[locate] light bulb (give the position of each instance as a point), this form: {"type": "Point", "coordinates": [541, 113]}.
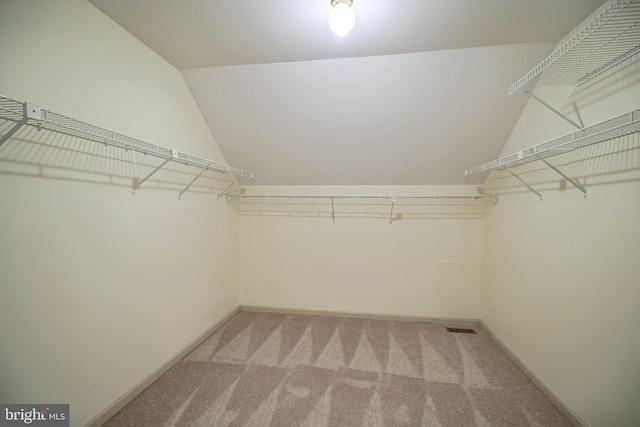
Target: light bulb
{"type": "Point", "coordinates": [342, 19]}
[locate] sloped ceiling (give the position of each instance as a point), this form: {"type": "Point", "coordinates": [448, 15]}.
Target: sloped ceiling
{"type": "Point", "coordinates": [415, 94]}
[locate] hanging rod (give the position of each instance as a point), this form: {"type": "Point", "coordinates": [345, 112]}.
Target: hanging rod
{"type": "Point", "coordinates": [25, 113]}
{"type": "Point", "coordinates": [259, 196]}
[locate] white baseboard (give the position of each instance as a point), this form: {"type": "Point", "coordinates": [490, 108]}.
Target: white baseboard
{"type": "Point", "coordinates": [127, 397]}
{"type": "Point", "coordinates": [461, 323]}
{"type": "Point", "coordinates": [539, 382]}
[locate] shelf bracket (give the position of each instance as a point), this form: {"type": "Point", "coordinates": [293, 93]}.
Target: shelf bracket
{"type": "Point", "coordinates": [13, 130]}
{"type": "Point", "coordinates": [138, 184]}
{"type": "Point", "coordinates": [194, 180]}
{"type": "Point", "coordinates": [29, 111]}
{"type": "Point", "coordinates": [553, 109]}
{"type": "Point", "coordinates": [333, 211]}
{"type": "Point", "coordinates": [235, 181]}
{"type": "Point", "coordinates": [559, 172]}
{"type": "Point", "coordinates": [494, 197]}
{"type": "Point", "coordinates": [522, 181]}
{"type": "Point", "coordinates": [393, 203]}
{"type": "Point", "coordinates": [226, 190]}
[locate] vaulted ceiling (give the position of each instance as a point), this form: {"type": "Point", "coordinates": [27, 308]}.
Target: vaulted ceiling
{"type": "Point", "coordinates": [415, 94]}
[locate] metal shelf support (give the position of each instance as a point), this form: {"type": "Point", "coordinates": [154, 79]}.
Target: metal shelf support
{"type": "Point", "coordinates": [333, 211]}
{"type": "Point", "coordinates": [393, 202]}
{"type": "Point", "coordinates": [226, 191]}
{"type": "Point", "coordinates": [192, 181]}
{"type": "Point", "coordinates": [494, 197]}
{"type": "Point", "coordinates": [559, 172]}
{"type": "Point", "coordinates": [553, 109]}
{"type": "Point", "coordinates": [137, 185]}
{"type": "Point", "coordinates": [522, 181]}
{"type": "Point", "coordinates": [13, 130]}
{"type": "Point", "coordinates": [29, 111]}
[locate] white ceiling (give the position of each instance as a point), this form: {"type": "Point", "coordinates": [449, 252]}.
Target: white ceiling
{"type": "Point", "coordinates": [415, 94]}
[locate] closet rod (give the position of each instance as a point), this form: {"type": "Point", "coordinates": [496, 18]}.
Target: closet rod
{"type": "Point", "coordinates": [357, 197]}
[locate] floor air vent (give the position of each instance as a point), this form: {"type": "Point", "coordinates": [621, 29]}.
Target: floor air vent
{"type": "Point", "coordinates": [461, 330]}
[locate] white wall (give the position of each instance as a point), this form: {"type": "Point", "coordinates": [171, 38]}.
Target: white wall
{"type": "Point", "coordinates": [357, 264]}
{"type": "Point", "coordinates": [562, 279]}
{"type": "Point", "coordinates": [99, 288]}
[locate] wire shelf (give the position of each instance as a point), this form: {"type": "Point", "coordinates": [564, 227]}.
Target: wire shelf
{"type": "Point", "coordinates": [611, 37]}
{"type": "Point", "coordinates": [625, 124]}
{"type": "Point", "coordinates": [23, 113]}
{"type": "Point", "coordinates": [386, 207]}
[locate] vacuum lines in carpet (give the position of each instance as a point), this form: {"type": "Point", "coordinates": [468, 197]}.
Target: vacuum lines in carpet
{"type": "Point", "coordinates": [264, 369]}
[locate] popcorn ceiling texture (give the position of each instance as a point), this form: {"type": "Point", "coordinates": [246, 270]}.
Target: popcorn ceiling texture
{"type": "Point", "coordinates": [264, 369]}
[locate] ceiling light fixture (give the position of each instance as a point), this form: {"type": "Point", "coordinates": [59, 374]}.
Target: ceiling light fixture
{"type": "Point", "coordinates": [342, 19]}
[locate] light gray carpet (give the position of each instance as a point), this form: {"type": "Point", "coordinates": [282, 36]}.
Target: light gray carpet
{"type": "Point", "coordinates": [265, 369]}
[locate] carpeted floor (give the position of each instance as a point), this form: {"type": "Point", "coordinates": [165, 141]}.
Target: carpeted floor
{"type": "Point", "coordinates": [265, 369]}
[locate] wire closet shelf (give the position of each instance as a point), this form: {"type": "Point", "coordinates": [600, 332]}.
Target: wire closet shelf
{"type": "Point", "coordinates": [390, 208]}
{"type": "Point", "coordinates": [625, 124]}
{"type": "Point", "coordinates": [610, 38]}
{"type": "Point", "coordinates": [616, 127]}
{"type": "Point", "coordinates": [25, 113]}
